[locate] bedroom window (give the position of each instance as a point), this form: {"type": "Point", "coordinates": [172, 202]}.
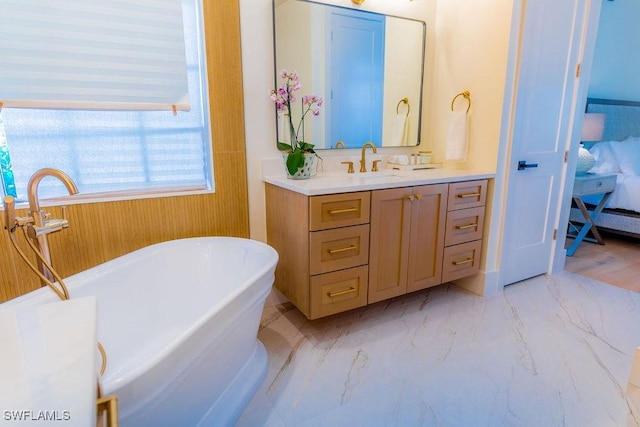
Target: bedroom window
{"type": "Point", "coordinates": [116, 154]}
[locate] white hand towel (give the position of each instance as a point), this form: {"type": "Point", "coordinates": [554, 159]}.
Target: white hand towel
{"type": "Point", "coordinates": [457, 136]}
{"type": "Point", "coordinates": [398, 131]}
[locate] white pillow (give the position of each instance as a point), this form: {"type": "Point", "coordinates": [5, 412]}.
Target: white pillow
{"type": "Point", "coordinates": [605, 159]}
{"type": "Point", "coordinates": [627, 154]}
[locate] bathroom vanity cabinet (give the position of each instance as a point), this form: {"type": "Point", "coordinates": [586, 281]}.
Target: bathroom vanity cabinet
{"type": "Point", "coordinates": [346, 250]}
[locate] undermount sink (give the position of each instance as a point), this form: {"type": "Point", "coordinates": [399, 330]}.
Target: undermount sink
{"type": "Point", "coordinates": [344, 179]}
{"type": "Point", "coordinates": [363, 175]}
{"type": "Point", "coordinates": [360, 177]}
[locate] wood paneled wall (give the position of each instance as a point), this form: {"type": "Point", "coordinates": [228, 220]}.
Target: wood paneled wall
{"type": "Point", "coordinates": [99, 232]}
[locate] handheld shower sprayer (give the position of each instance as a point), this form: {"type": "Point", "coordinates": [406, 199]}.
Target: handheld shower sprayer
{"type": "Point", "coordinates": [10, 214]}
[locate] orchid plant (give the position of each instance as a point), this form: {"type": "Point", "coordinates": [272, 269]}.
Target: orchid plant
{"type": "Point", "coordinates": [283, 97]}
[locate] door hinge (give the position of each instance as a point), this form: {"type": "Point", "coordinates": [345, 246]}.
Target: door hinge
{"type": "Point", "coordinates": [555, 234]}
{"type": "Point", "coordinates": [566, 156]}
{"type": "Point", "coordinates": [578, 69]}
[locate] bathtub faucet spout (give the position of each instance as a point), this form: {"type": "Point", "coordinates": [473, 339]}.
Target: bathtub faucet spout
{"type": "Point", "coordinates": [42, 223]}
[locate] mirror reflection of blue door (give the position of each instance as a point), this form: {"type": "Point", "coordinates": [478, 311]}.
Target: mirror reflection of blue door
{"type": "Point", "coordinates": [355, 74]}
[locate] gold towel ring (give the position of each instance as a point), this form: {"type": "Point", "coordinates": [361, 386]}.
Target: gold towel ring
{"type": "Point", "coordinates": [403, 101]}
{"type": "Point", "coordinates": [465, 94]}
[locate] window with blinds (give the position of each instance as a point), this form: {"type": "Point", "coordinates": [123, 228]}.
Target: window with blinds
{"type": "Point", "coordinates": [92, 54]}
{"type": "Point", "coordinates": [122, 150]}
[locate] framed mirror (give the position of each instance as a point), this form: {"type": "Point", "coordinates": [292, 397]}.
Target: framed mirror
{"type": "Point", "coordinates": [367, 67]}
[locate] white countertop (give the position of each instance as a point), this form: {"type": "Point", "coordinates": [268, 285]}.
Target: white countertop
{"type": "Point", "coordinates": [48, 371]}
{"type": "Point", "coordinates": [342, 182]}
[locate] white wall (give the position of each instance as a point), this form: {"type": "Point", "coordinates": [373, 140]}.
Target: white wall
{"type": "Point", "coordinates": [466, 49]}
{"type": "Point", "coordinates": [471, 54]}
{"type": "Point", "coordinates": [616, 64]}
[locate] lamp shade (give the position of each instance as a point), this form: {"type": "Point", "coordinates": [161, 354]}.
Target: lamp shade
{"type": "Point", "coordinates": [592, 127]}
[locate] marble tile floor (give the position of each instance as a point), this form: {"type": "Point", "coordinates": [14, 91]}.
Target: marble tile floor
{"type": "Point", "coordinates": [550, 351]}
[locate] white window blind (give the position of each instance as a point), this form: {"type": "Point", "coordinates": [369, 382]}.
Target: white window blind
{"type": "Point", "coordinates": [93, 54]}
{"type": "Point", "coordinates": [136, 153]}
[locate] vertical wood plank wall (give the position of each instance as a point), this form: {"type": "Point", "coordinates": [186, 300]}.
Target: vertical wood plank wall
{"type": "Point", "coordinates": [99, 232]}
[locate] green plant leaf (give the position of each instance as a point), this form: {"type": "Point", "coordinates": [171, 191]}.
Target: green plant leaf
{"type": "Point", "coordinates": [306, 147]}
{"type": "Point", "coordinates": [284, 147]}
{"type": "Point", "coordinates": [295, 160]}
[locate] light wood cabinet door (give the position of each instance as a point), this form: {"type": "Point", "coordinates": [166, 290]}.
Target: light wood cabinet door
{"type": "Point", "coordinates": [389, 243]}
{"type": "Point", "coordinates": [426, 238]}
{"type": "Point", "coordinates": [407, 240]}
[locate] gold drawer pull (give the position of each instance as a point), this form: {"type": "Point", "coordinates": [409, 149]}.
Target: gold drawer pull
{"type": "Point", "coordinates": [466, 261]}
{"type": "Point", "coordinates": [337, 251]}
{"type": "Point", "coordinates": [340, 211]}
{"type": "Point", "coordinates": [467, 195]}
{"type": "Point", "coordinates": [337, 294]}
{"type": "Point", "coordinates": [464, 227]}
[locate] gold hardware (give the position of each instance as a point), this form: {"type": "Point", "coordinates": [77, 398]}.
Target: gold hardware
{"type": "Point", "coordinates": [108, 404]}
{"type": "Point", "coordinates": [419, 196]}
{"type": "Point", "coordinates": [39, 217]}
{"type": "Point", "coordinates": [464, 227]}
{"type": "Point", "coordinates": [340, 250]}
{"type": "Point", "coordinates": [467, 95]}
{"type": "Point", "coordinates": [357, 1]}
{"type": "Point", "coordinates": [337, 294]}
{"type": "Point", "coordinates": [350, 170]}
{"type": "Point", "coordinates": [466, 261]}
{"type": "Point", "coordinates": [363, 167]}
{"type": "Point", "coordinates": [411, 197]}
{"type": "Point", "coordinates": [340, 211]}
{"type": "Point", "coordinates": [406, 102]}
{"type": "Point", "coordinates": [375, 165]}
{"type": "Point", "coordinates": [467, 195]}
{"type": "Point", "coordinates": [340, 144]}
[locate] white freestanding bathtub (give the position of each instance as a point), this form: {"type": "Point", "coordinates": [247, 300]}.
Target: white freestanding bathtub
{"type": "Point", "coordinates": [179, 323]}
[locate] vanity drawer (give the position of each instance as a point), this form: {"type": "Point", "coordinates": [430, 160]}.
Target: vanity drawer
{"type": "Point", "coordinates": [339, 248]}
{"type": "Point", "coordinates": [464, 225]}
{"type": "Point", "coordinates": [339, 291]}
{"type": "Point", "coordinates": [339, 210]}
{"type": "Point", "coordinates": [461, 260]}
{"type": "Point", "coordinates": [467, 194]}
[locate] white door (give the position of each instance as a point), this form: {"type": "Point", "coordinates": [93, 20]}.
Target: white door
{"type": "Point", "coordinates": [355, 76]}
{"type": "Point", "coordinates": [550, 48]}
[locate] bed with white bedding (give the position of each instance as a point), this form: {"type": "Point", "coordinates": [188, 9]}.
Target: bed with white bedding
{"type": "Point", "coordinates": [619, 154]}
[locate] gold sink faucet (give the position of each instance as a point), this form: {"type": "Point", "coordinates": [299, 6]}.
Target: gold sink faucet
{"type": "Point", "coordinates": [363, 162]}
{"type": "Point", "coordinates": [42, 225]}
